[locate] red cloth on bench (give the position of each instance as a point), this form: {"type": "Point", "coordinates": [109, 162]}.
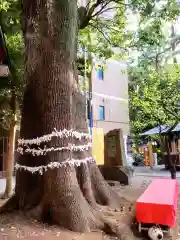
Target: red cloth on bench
{"type": "Point", "coordinates": [158, 204]}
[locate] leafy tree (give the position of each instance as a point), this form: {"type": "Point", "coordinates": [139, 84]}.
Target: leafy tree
{"type": "Point", "coordinates": [154, 100]}
{"type": "Point", "coordinates": [11, 25]}
{"type": "Point", "coordinates": [154, 97]}
{"type": "Point", "coordinates": [153, 40]}
{"type": "Point", "coordinates": [150, 71]}
{"type": "Point", "coordinates": [11, 87]}
{"type": "Point", "coordinates": [71, 195]}
{"type": "Point", "coordinates": [101, 38]}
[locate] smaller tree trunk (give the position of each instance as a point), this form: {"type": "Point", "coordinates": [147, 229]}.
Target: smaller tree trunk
{"type": "Point", "coordinates": [171, 164]}
{"type": "Point", "coordinates": [10, 158]}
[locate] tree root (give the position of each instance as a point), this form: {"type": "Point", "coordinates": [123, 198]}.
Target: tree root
{"type": "Point", "coordinates": [84, 181]}
{"type": "Point", "coordinates": [96, 221]}
{"type": "Point", "coordinates": [35, 213]}
{"type": "Point", "coordinates": [120, 230]}
{"type": "Point", "coordinates": [104, 194]}
{"type": "Point", "coordinates": [76, 198]}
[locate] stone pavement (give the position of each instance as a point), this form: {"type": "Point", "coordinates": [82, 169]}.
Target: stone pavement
{"type": "Point", "coordinates": [158, 171]}
{"type": "Point", "coordinates": [142, 175]}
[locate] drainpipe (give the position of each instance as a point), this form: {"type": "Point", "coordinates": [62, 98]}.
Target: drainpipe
{"type": "Point", "coordinates": [90, 113]}
{"type": "Point", "coordinates": [90, 95]}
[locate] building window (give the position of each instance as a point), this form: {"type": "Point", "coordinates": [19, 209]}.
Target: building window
{"type": "Point", "coordinates": [100, 73]}
{"type": "Point", "coordinates": [101, 113]}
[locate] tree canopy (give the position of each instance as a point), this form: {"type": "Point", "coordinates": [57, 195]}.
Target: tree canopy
{"type": "Point", "coordinates": [154, 80]}
{"type": "Point", "coordinates": [11, 87]}
{"type": "Point", "coordinates": [154, 97]}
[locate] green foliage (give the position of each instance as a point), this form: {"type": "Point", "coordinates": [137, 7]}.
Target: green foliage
{"type": "Point", "coordinates": [100, 30]}
{"type": "Point", "coordinates": [154, 97]}
{"type": "Point", "coordinates": [153, 39]}
{"type": "Point", "coordinates": [103, 34]}
{"type": "Point", "coordinates": [154, 85]}
{"type": "Point", "coordinates": [151, 35]}
{"type": "Point", "coordinates": [10, 18]}
{"type": "Point", "coordinates": [11, 88]}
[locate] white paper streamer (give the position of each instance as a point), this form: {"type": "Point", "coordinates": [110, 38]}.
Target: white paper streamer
{"type": "Point", "coordinates": [52, 165]}
{"type": "Point", "coordinates": [45, 150]}
{"type": "Point", "coordinates": [47, 138]}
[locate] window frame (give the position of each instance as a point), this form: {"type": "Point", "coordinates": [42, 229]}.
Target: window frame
{"type": "Point", "coordinates": [101, 108]}
{"type": "Point", "coordinates": [102, 70]}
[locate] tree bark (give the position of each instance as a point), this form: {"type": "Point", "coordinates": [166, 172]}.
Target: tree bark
{"type": "Point", "coordinates": [70, 196]}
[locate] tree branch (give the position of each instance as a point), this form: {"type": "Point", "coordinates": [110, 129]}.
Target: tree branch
{"type": "Point", "coordinates": [84, 21]}
{"type": "Point", "coordinates": [102, 9]}
{"type": "Point", "coordinates": [177, 118]}
{"type": "Point", "coordinates": [105, 25]}
{"type": "Point", "coordinates": [89, 12]}
{"type": "Point", "coordinates": [166, 109]}
{"type": "Point", "coordinates": [100, 31]}
{"type": "Point", "coordinates": [173, 54]}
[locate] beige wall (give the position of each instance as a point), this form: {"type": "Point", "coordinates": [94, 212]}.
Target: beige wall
{"type": "Point", "coordinates": [112, 93]}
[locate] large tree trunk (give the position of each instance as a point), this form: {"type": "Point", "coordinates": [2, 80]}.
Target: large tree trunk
{"type": "Point", "coordinates": [70, 196]}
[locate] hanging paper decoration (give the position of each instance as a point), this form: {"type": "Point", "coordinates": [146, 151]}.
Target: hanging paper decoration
{"type": "Point", "coordinates": [47, 138]}
{"type": "Point", "coordinates": [24, 147]}
{"type": "Point", "coordinates": [45, 150]}
{"type": "Point", "coordinates": [53, 165]}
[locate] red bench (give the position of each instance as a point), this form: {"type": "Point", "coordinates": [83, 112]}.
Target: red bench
{"type": "Point", "coordinates": [158, 204]}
